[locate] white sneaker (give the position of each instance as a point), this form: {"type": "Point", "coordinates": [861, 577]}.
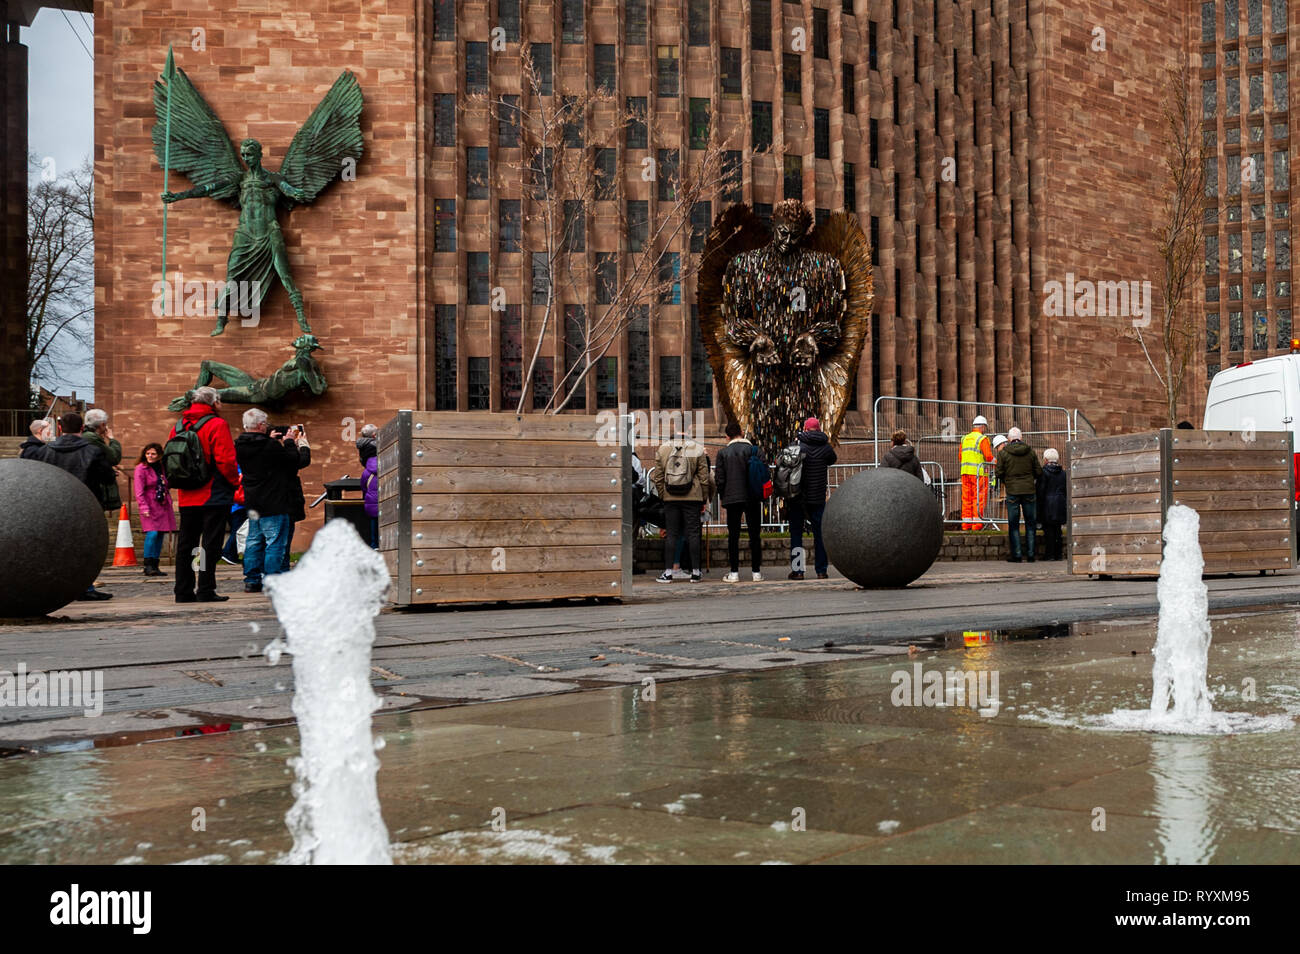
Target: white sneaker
{"type": "Point", "coordinates": [665, 577]}
{"type": "Point", "coordinates": [731, 578]}
{"type": "Point", "coordinates": [680, 575]}
{"type": "Point", "coordinates": [758, 577]}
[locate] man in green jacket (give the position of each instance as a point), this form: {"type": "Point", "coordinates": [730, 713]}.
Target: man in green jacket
{"type": "Point", "coordinates": [98, 432]}
{"type": "Point", "coordinates": [1017, 470]}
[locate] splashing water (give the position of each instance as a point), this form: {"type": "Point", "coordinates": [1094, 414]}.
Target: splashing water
{"type": "Point", "coordinates": [327, 606]}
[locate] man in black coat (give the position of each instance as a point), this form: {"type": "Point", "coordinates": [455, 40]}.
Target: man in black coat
{"type": "Point", "coordinates": [269, 463]}
{"type": "Point", "coordinates": [810, 504]}
{"type": "Point", "coordinates": [83, 460]}
{"type": "Point", "coordinates": [731, 474]}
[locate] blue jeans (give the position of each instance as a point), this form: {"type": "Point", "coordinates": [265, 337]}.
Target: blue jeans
{"type": "Point", "coordinates": [374, 533]}
{"type": "Point", "coordinates": [288, 542]}
{"type": "Point", "coordinates": [798, 513]}
{"type": "Point", "coordinates": [1015, 504]}
{"type": "Point", "coordinates": [153, 541]}
{"type": "Point", "coordinates": [231, 550]}
{"type": "Point", "coordinates": [265, 547]}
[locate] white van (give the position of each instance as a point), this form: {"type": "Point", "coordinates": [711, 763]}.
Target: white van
{"type": "Point", "coordinates": [1263, 395]}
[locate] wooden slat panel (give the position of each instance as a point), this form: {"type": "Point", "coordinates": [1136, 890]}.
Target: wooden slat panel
{"type": "Point", "coordinates": [496, 533]}
{"type": "Point", "coordinates": [1257, 459]}
{"type": "Point", "coordinates": [1230, 498]}
{"type": "Point", "coordinates": [1116, 523]}
{"type": "Point", "coordinates": [1109, 446]}
{"type": "Point", "coordinates": [514, 559]}
{"type": "Point", "coordinates": [1106, 486]}
{"type": "Point", "coordinates": [515, 506]}
{"type": "Point", "coordinates": [1115, 504]}
{"type": "Point", "coordinates": [485, 588]}
{"type": "Point", "coordinates": [1277, 440]}
{"type": "Point", "coordinates": [1249, 562]}
{"type": "Point", "coordinates": [1217, 480]}
{"type": "Point", "coordinates": [1119, 542]}
{"type": "Point", "coordinates": [1137, 463]}
{"type": "Point", "coordinates": [486, 480]}
{"type": "Point", "coordinates": [520, 453]}
{"type": "Point", "coordinates": [1244, 521]}
{"type": "Point", "coordinates": [498, 426]}
{"type": "Point", "coordinates": [1140, 564]}
{"type": "Point", "coordinates": [1219, 541]}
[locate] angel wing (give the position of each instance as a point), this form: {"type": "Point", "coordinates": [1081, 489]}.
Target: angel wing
{"type": "Point", "coordinates": [331, 135]}
{"type": "Point", "coordinates": [736, 229]}
{"type": "Point", "coordinates": [199, 148]}
{"type": "Point", "coordinates": [841, 235]}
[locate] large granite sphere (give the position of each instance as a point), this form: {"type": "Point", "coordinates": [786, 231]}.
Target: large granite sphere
{"type": "Point", "coordinates": [882, 528]}
{"type": "Point", "coordinates": [53, 538]}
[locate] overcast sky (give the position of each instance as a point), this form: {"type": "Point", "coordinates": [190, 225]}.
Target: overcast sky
{"type": "Point", "coordinates": [60, 125]}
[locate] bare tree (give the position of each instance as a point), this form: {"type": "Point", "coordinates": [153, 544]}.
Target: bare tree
{"type": "Point", "coordinates": [1178, 239]}
{"type": "Point", "coordinates": [561, 138]}
{"type": "Point", "coordinates": [60, 274]}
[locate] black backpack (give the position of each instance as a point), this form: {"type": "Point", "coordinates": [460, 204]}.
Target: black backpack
{"type": "Point", "coordinates": [787, 478]}
{"type": "Point", "coordinates": [184, 462]}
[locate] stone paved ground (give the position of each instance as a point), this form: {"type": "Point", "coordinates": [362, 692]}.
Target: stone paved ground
{"type": "Point", "coordinates": [168, 668]}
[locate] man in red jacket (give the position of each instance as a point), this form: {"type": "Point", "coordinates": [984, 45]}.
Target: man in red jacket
{"type": "Point", "coordinates": [204, 509]}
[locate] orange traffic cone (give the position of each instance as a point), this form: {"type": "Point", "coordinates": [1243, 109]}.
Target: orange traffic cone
{"type": "Point", "coordinates": [124, 552]}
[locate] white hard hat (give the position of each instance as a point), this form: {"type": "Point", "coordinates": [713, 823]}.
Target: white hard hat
{"type": "Point", "coordinates": [999, 441]}
{"type": "Point", "coordinates": [979, 419]}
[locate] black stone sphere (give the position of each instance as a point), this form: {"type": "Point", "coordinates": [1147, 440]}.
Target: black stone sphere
{"type": "Point", "coordinates": [882, 528]}
{"type": "Point", "coordinates": [53, 538]}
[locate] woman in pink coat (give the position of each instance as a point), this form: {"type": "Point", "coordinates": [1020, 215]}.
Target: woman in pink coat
{"type": "Point", "coordinates": [153, 499]}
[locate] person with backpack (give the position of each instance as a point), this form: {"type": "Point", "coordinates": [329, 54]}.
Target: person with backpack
{"type": "Point", "coordinates": [682, 478]}
{"type": "Point", "coordinates": [801, 470]}
{"type": "Point", "coordinates": [1018, 471]}
{"type": "Point", "coordinates": [741, 476]}
{"type": "Point", "coordinates": [199, 460]}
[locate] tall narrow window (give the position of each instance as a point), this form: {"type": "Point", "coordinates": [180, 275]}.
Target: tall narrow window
{"type": "Point", "coordinates": [575, 353]}
{"type": "Point", "coordinates": [444, 225]}
{"type": "Point", "coordinates": [571, 114]}
{"type": "Point", "coordinates": [638, 224]}
{"type": "Point", "coordinates": [444, 20]}
{"type": "Point", "coordinates": [698, 23]}
{"type": "Point", "coordinates": [606, 382]}
{"type": "Point", "coordinates": [571, 21]}
{"type": "Point", "coordinates": [1211, 254]}
{"type": "Point", "coordinates": [764, 212]}
{"type": "Point", "coordinates": [541, 54]}
{"type": "Point", "coordinates": [604, 167]}
{"type": "Point", "coordinates": [1284, 327]}
{"type": "Point", "coordinates": [760, 25]}
{"type": "Point", "coordinates": [444, 119]}
{"type": "Point", "coordinates": [701, 220]}
{"type": "Point", "coordinates": [1212, 332]}
{"type": "Point", "coordinates": [873, 134]}
{"type": "Point", "coordinates": [444, 388]}
{"type": "Point", "coordinates": [731, 82]}
{"type": "Point", "coordinates": [666, 69]}
{"type": "Point", "coordinates": [699, 123]}
{"type": "Point", "coordinates": [701, 372]}
{"type": "Point", "coordinates": [509, 229]}
{"type": "Point", "coordinates": [606, 278]}
{"type": "Point", "coordinates": [508, 19]}
{"type": "Point", "coordinates": [732, 176]}
{"type": "Point", "coordinates": [508, 122]}
{"type": "Point", "coordinates": [1207, 22]}
{"type": "Point", "coordinates": [871, 45]}
{"type": "Point", "coordinates": [476, 68]}
{"type": "Point", "coordinates": [821, 33]}
{"type": "Point", "coordinates": [480, 384]}
{"type": "Point", "coordinates": [850, 99]}
{"type": "Point", "coordinates": [634, 21]}
{"type": "Point", "coordinates": [638, 357]}
{"type": "Point", "coordinates": [543, 382]}
{"type": "Point", "coordinates": [668, 174]}
{"type": "Point", "coordinates": [636, 122]}
{"type": "Point", "coordinates": [511, 357]}
{"type": "Point", "coordinates": [850, 187]}
{"type": "Point", "coordinates": [822, 133]}
{"type": "Point", "coordinates": [792, 77]}
{"type": "Point", "coordinates": [1279, 92]}
{"type": "Point", "coordinates": [476, 172]}
{"type": "Point", "coordinates": [670, 380]}
{"type": "Point", "coordinates": [793, 177]}
{"type": "Point", "coordinates": [1231, 20]}
{"type": "Point", "coordinates": [606, 70]}
{"type": "Point", "coordinates": [476, 278]}
{"type": "Point", "coordinates": [670, 279]}
{"type": "Point", "coordinates": [541, 283]}
{"type": "Point", "coordinates": [761, 122]}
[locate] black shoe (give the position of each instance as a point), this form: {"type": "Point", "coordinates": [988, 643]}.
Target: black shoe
{"type": "Point", "coordinates": [1013, 559]}
{"type": "Point", "coordinates": [252, 587]}
{"type": "Point", "coordinates": [187, 598]}
{"type": "Point", "coordinates": [823, 576]}
{"type": "Point", "coordinates": [211, 598]}
{"type": "Point", "coordinates": [795, 575]}
{"type": "Point", "coordinates": [1029, 559]}
{"type": "Point", "coordinates": [93, 594]}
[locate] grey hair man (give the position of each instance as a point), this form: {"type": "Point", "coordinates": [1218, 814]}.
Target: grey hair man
{"type": "Point", "coordinates": [98, 432]}
{"type": "Point", "coordinates": [269, 461]}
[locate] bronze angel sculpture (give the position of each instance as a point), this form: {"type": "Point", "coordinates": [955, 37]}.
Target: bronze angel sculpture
{"type": "Point", "coordinates": [784, 314]}
{"type": "Point", "coordinates": [190, 139]}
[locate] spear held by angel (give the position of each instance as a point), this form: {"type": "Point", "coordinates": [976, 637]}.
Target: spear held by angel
{"type": "Point", "coordinates": [194, 143]}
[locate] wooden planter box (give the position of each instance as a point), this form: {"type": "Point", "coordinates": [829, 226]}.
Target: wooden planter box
{"type": "Point", "coordinates": [480, 507]}
{"type": "Point", "coordinates": [1121, 488]}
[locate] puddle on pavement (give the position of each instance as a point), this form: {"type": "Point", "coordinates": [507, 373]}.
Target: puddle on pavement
{"type": "Point", "coordinates": [821, 763]}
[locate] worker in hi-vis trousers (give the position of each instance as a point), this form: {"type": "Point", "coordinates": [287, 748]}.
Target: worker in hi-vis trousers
{"type": "Point", "coordinates": [976, 451]}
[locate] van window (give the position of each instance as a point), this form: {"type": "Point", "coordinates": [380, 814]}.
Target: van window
{"type": "Point", "coordinates": [1257, 397]}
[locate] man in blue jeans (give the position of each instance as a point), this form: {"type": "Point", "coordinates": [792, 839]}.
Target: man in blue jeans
{"type": "Point", "coordinates": [810, 504]}
{"type": "Point", "coordinates": [1018, 469]}
{"type": "Point", "coordinates": [270, 463]}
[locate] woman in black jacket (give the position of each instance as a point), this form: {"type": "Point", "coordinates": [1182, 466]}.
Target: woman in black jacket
{"type": "Point", "coordinates": [902, 456]}
{"type": "Point", "coordinates": [1051, 502]}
